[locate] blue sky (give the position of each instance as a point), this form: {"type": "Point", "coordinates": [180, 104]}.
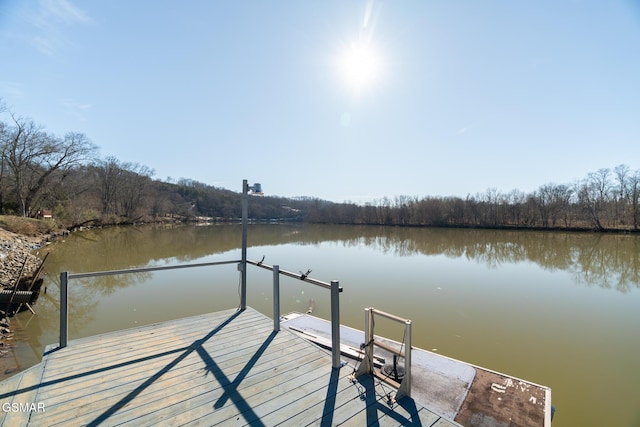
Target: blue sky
{"type": "Point", "coordinates": [449, 98]}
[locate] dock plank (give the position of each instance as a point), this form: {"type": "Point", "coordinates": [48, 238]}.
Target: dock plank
{"type": "Point", "coordinates": [142, 364]}
{"type": "Point", "coordinates": [114, 380]}
{"type": "Point", "coordinates": [201, 400]}
{"type": "Point", "coordinates": [247, 404]}
{"type": "Point", "coordinates": [154, 390]}
{"type": "Point", "coordinates": [11, 383]}
{"type": "Point", "coordinates": [28, 377]}
{"type": "Point", "coordinates": [106, 350]}
{"type": "Point", "coordinates": [309, 407]}
{"type": "Point", "coordinates": [205, 370]}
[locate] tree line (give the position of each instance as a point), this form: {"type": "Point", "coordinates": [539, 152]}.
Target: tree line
{"type": "Point", "coordinates": [40, 172]}
{"type": "Point", "coordinates": [607, 199]}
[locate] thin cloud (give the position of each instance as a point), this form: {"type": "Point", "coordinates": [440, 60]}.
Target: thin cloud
{"type": "Point", "coordinates": [76, 109]}
{"type": "Point", "coordinates": [461, 131]}
{"type": "Point", "coordinates": [52, 17]}
{"type": "Point", "coordinates": [71, 103]}
{"type": "Point", "coordinates": [63, 10]}
{"type": "Point", "coordinates": [46, 45]}
{"type": "Point", "coordinates": [11, 90]}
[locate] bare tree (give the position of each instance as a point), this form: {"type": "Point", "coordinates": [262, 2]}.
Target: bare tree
{"type": "Point", "coordinates": [133, 186]}
{"type": "Point", "coordinates": [634, 197]}
{"type": "Point", "coordinates": [561, 203]}
{"type": "Point", "coordinates": [108, 176]}
{"type": "Point", "coordinates": [620, 195]}
{"type": "Point", "coordinates": [543, 201]}
{"type": "Point", "coordinates": [593, 195]}
{"type": "Point", "coordinates": [3, 163]}
{"type": "Point", "coordinates": [33, 156]}
{"type": "Point", "coordinates": [553, 201]}
{"type": "Point", "coordinates": [514, 201]}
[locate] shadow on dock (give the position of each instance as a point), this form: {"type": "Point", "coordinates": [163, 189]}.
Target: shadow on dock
{"type": "Point", "coordinates": [212, 369]}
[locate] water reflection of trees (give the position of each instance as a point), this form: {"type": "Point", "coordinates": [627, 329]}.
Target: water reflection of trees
{"type": "Point", "coordinates": [44, 327]}
{"type": "Point", "coordinates": [82, 308]}
{"type": "Point", "coordinates": [610, 264]}
{"type": "Point", "coordinates": [594, 259]}
{"type": "Point", "coordinates": [107, 285]}
{"type": "Point", "coordinates": [610, 261]}
{"type": "Point", "coordinates": [606, 261]}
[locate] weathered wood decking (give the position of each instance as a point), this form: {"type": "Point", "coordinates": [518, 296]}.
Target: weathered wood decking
{"type": "Point", "coordinates": [469, 394]}
{"type": "Point", "coordinates": [221, 368]}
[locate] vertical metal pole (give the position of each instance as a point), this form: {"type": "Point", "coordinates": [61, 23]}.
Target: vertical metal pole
{"type": "Point", "coordinates": [276, 298]}
{"type": "Point", "coordinates": [243, 273]}
{"type": "Point", "coordinates": [64, 305]}
{"type": "Point", "coordinates": [407, 357]}
{"type": "Point", "coordinates": [335, 324]}
{"type": "Point", "coordinates": [366, 366]}
{"type": "Point", "coordinates": [405, 386]}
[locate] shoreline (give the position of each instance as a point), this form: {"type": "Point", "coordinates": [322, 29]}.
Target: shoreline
{"type": "Point", "coordinates": [16, 250]}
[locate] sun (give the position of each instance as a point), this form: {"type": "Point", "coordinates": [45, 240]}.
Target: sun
{"type": "Point", "coordinates": [360, 66]}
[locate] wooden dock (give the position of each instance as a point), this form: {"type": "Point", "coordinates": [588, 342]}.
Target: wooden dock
{"type": "Point", "coordinates": [222, 368]}
{"type": "Point", "coordinates": [471, 395]}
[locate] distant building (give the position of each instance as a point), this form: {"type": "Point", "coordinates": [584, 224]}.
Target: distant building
{"type": "Point", "coordinates": [45, 214]}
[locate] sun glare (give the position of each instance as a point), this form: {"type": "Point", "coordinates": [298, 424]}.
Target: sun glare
{"type": "Point", "coordinates": [360, 66]}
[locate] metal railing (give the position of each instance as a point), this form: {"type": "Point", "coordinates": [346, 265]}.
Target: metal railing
{"type": "Point", "coordinates": [334, 287]}
{"type": "Point", "coordinates": [367, 365]}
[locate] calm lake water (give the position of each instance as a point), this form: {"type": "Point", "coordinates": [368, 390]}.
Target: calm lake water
{"type": "Point", "coordinates": [558, 309]}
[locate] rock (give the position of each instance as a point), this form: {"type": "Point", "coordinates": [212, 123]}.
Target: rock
{"type": "Point", "coordinates": [15, 250]}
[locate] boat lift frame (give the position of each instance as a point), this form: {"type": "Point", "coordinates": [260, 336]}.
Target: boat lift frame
{"type": "Point", "coordinates": [367, 366]}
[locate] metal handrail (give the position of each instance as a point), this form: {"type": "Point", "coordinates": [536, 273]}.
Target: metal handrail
{"type": "Point", "coordinates": [65, 276]}
{"type": "Point", "coordinates": [302, 277]}
{"type": "Point", "coordinates": [334, 287]}
{"type": "Point", "coordinates": [146, 269]}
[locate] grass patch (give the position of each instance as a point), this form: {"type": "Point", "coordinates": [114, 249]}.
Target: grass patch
{"type": "Point", "coordinates": [28, 226]}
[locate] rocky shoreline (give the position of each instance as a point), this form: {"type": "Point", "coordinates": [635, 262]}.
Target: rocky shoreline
{"type": "Point", "coordinates": [15, 251]}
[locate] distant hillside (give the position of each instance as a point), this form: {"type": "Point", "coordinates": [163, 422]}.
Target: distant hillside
{"type": "Point", "coordinates": [60, 180]}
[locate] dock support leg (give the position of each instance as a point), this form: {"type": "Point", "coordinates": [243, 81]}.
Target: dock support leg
{"type": "Point", "coordinates": [64, 306]}
{"type": "Point", "coordinates": [335, 324]}
{"type": "Point", "coordinates": [276, 298]}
